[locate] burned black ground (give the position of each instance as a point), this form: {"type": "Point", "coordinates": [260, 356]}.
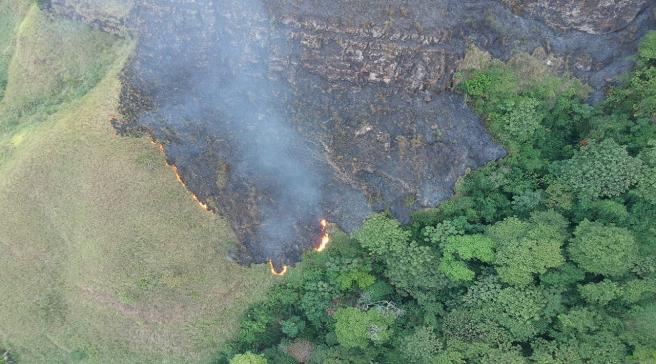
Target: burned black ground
{"type": "Point", "coordinates": [352, 102]}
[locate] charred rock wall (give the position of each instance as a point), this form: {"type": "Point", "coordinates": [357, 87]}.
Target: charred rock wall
{"type": "Point", "coordinates": [351, 97]}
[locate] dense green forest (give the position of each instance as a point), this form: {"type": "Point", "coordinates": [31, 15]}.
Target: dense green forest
{"type": "Point", "coordinates": [546, 256]}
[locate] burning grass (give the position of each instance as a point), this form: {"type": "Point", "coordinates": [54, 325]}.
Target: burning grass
{"type": "Point", "coordinates": [325, 238]}
{"type": "Point", "coordinates": [180, 179]}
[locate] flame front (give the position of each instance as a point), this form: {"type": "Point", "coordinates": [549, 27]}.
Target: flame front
{"type": "Point", "coordinates": [273, 269]}
{"type": "Point", "coordinates": [178, 176]}
{"type": "Point", "coordinates": [204, 206]}
{"type": "Point", "coordinates": [325, 239]}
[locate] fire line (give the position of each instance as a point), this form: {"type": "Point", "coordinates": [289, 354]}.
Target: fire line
{"type": "Point", "coordinates": [276, 273]}
{"type": "Point", "coordinates": [325, 238]}
{"type": "Point", "coordinates": [178, 176]}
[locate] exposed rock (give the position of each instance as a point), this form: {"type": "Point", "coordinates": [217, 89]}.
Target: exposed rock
{"type": "Point", "coordinates": [108, 15]}
{"type": "Point", "coordinates": [590, 16]}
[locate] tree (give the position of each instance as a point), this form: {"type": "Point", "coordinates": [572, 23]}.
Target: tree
{"type": "Point", "coordinates": [381, 236]}
{"type": "Point", "coordinates": [461, 249]}
{"type": "Point", "coordinates": [601, 249]}
{"type": "Point", "coordinates": [525, 248]}
{"type": "Point", "coordinates": [640, 323]}
{"type": "Point", "coordinates": [408, 265]}
{"type": "Point", "coordinates": [600, 293]}
{"type": "Point", "coordinates": [293, 326]}
{"type": "Point", "coordinates": [316, 300]}
{"type": "Point", "coordinates": [647, 51]}
{"type": "Point", "coordinates": [522, 311]}
{"type": "Point", "coordinates": [516, 120]}
{"type": "Point", "coordinates": [606, 211]}
{"type": "Point", "coordinates": [598, 348]}
{"type": "Point", "coordinates": [356, 328]}
{"type": "Point", "coordinates": [601, 169]}
{"type": "Point", "coordinates": [636, 290]}
{"type": "Point", "coordinates": [248, 358]}
{"type": "Point", "coordinates": [647, 185]}
{"type": "Point", "coordinates": [438, 234]}
{"type": "Point", "coordinates": [421, 347]}
{"type": "Point", "coordinates": [582, 335]}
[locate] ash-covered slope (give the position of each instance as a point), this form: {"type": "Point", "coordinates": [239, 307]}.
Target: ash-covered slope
{"type": "Point", "coordinates": [280, 113]}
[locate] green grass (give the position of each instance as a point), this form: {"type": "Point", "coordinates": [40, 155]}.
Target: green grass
{"type": "Point", "coordinates": [104, 256]}
{"type": "Point", "coordinates": [11, 14]}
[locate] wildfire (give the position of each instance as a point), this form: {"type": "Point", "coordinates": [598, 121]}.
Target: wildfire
{"type": "Point", "coordinates": [178, 176]}
{"type": "Point", "coordinates": [276, 273]}
{"type": "Point", "coordinates": [325, 238]}
{"type": "Point", "coordinates": [200, 203]}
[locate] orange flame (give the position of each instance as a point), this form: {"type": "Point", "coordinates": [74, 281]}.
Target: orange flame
{"type": "Point", "coordinates": [276, 273]}
{"type": "Point", "coordinates": [204, 206]}
{"type": "Point", "coordinates": [325, 239]}
{"type": "Point", "coordinates": [178, 176]}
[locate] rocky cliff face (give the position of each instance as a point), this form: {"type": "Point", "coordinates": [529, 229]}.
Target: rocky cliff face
{"type": "Point", "coordinates": [280, 113]}
{"type": "Point", "coordinates": [109, 15]}
{"type": "Point", "coordinates": [589, 16]}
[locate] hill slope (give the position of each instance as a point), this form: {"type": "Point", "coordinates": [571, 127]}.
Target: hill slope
{"type": "Point", "coordinates": [105, 256]}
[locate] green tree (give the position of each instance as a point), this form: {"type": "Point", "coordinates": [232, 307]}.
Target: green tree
{"type": "Point", "coordinates": [582, 335]}
{"type": "Point", "coordinates": [525, 248]}
{"type": "Point", "coordinates": [600, 293]}
{"type": "Point", "coordinates": [516, 120]}
{"type": "Point", "coordinates": [522, 311]}
{"type": "Point", "coordinates": [293, 326]}
{"type": "Point", "coordinates": [647, 51]}
{"type": "Point", "coordinates": [647, 185]}
{"type": "Point", "coordinates": [381, 235]}
{"type": "Point", "coordinates": [438, 234]}
{"type": "Point", "coordinates": [602, 249]}
{"type": "Point", "coordinates": [640, 323]}
{"type": "Point", "coordinates": [408, 265]}
{"type": "Point", "coordinates": [636, 290]}
{"type": "Point", "coordinates": [461, 249]}
{"type": "Point", "coordinates": [601, 169]}
{"type": "Point", "coordinates": [421, 347]}
{"type": "Point", "coordinates": [316, 300]}
{"type": "Point", "coordinates": [248, 358]}
{"type": "Point", "coordinates": [356, 328]}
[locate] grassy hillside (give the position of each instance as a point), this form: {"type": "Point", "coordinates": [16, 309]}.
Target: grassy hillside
{"type": "Point", "coordinates": [11, 13]}
{"type": "Point", "coordinates": [105, 258]}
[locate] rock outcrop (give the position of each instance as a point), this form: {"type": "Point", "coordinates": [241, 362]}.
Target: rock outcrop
{"type": "Point", "coordinates": [589, 16]}
{"type": "Point", "coordinates": [109, 15]}
{"type": "Point", "coordinates": [353, 98]}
